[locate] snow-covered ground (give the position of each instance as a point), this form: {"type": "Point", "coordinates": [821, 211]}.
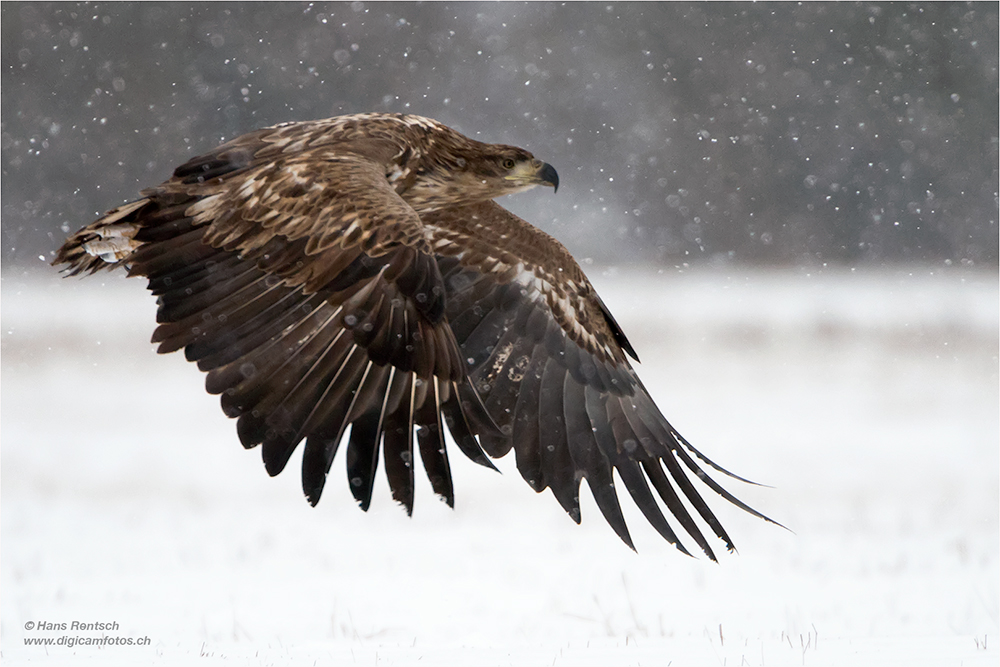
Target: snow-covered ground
{"type": "Point", "coordinates": [867, 400]}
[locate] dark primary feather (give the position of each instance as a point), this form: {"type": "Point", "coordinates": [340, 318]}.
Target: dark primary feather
{"type": "Point", "coordinates": [330, 294]}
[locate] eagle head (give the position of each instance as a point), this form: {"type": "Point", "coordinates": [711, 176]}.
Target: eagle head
{"type": "Point", "coordinates": [469, 171]}
{"type": "Point", "coordinates": [507, 169]}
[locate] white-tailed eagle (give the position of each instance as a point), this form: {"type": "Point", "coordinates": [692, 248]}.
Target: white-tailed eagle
{"type": "Point", "coordinates": [356, 272]}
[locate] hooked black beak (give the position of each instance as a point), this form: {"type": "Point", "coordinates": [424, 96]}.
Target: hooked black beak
{"type": "Point", "coordinates": [547, 175]}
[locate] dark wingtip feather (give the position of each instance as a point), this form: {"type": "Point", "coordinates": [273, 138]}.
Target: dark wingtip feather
{"type": "Point", "coordinates": [603, 490]}
{"type": "Point", "coordinates": [276, 450]}
{"type": "Point", "coordinates": [712, 463]}
{"type": "Point", "coordinates": [316, 458]}
{"type": "Point", "coordinates": [430, 442]}
{"type": "Point", "coordinates": [715, 486]}
{"type": "Point", "coordinates": [655, 474]}
{"type": "Point", "coordinates": [397, 451]}
{"type": "Point", "coordinates": [461, 430]}
{"type": "Point", "coordinates": [637, 487]}
{"type": "Point", "coordinates": [362, 457]}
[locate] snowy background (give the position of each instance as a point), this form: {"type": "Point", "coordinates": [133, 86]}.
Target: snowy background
{"type": "Point", "coordinates": [867, 400]}
{"type": "Point", "coordinates": [791, 210]}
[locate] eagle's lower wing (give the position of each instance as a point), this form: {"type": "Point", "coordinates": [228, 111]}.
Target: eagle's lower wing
{"type": "Point", "coordinates": [311, 300]}
{"type": "Point", "coordinates": [547, 359]}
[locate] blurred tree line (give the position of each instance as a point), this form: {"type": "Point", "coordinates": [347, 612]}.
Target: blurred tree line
{"type": "Point", "coordinates": [809, 133]}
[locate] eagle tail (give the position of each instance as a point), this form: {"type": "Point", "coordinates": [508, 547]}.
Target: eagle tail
{"type": "Point", "coordinates": [105, 243]}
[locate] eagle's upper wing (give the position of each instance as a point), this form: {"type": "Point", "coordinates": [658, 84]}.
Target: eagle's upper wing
{"type": "Point", "coordinates": [304, 286]}
{"type": "Point", "coordinates": [549, 362]}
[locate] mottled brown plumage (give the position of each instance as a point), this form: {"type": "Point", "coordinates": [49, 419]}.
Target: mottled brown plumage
{"type": "Point", "coordinates": [355, 272]}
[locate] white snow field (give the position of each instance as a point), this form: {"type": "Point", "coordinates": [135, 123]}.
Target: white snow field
{"type": "Point", "coordinates": [867, 401]}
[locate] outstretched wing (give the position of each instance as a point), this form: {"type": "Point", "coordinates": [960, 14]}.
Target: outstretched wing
{"type": "Point", "coordinates": [305, 287]}
{"type": "Point", "coordinates": [549, 362]}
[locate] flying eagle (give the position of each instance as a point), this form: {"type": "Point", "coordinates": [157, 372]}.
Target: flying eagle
{"type": "Point", "coordinates": [355, 271]}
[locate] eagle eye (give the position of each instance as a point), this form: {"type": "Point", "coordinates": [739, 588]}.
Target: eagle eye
{"type": "Point", "coordinates": [508, 163]}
